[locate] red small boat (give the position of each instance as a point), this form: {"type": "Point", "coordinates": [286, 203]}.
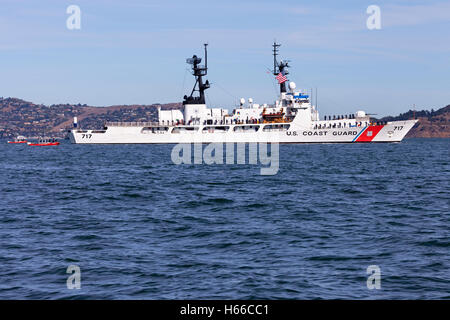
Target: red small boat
{"type": "Point", "coordinates": [19, 139]}
{"type": "Point", "coordinates": [45, 142]}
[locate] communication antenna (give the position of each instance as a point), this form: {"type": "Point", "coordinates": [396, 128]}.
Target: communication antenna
{"type": "Point", "coordinates": [280, 68]}
{"type": "Point", "coordinates": [317, 106]}
{"type": "Point", "coordinates": [275, 53]}
{"type": "Point", "coordinates": [206, 57]}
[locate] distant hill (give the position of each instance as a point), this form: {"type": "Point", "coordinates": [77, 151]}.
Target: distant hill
{"type": "Point", "coordinates": [432, 124]}
{"type": "Point", "coordinates": [19, 117]}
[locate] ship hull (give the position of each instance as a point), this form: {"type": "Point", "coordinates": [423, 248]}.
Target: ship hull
{"type": "Point", "coordinates": [391, 132]}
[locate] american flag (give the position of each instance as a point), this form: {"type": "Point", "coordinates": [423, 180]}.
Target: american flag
{"type": "Point", "coordinates": [281, 78]}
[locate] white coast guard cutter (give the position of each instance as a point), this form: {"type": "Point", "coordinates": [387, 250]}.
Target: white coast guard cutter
{"type": "Point", "coordinates": [291, 119]}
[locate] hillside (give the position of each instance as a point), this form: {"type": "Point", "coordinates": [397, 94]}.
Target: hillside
{"type": "Point", "coordinates": [432, 124]}
{"type": "Point", "coordinates": [19, 117]}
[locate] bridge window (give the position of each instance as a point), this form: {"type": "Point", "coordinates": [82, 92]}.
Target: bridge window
{"type": "Point", "coordinates": [216, 129]}
{"type": "Point", "coordinates": [155, 129]}
{"type": "Point", "coordinates": [185, 130]}
{"type": "Point", "coordinates": [276, 127]}
{"type": "Point", "coordinates": [245, 128]}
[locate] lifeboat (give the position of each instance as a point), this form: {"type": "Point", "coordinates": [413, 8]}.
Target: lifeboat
{"type": "Point", "coordinates": [275, 117]}
{"type": "Point", "coordinates": [45, 142]}
{"type": "Point", "coordinates": [19, 139]}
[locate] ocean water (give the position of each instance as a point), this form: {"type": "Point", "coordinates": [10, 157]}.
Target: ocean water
{"type": "Point", "coordinates": [141, 227]}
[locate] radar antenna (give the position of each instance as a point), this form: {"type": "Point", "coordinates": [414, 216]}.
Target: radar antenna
{"type": "Point", "coordinates": [198, 71]}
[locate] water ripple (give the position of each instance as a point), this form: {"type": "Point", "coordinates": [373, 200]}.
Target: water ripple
{"type": "Point", "coordinates": [141, 227]}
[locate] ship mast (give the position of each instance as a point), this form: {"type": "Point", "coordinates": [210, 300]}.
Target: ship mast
{"type": "Point", "coordinates": [198, 71]}
{"type": "Point", "coordinates": [279, 67]}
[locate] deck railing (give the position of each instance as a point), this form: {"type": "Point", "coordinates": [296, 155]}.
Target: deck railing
{"type": "Point", "coordinates": [130, 124]}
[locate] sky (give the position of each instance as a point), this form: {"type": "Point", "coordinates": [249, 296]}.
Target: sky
{"type": "Point", "coordinates": [134, 52]}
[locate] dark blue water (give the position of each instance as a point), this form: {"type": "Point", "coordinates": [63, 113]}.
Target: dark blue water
{"type": "Point", "coordinates": [140, 227]}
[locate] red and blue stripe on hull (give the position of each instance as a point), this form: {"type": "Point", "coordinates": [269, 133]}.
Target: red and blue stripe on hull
{"type": "Point", "coordinates": [368, 133]}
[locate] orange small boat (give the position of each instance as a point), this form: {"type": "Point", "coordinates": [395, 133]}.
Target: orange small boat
{"type": "Point", "coordinates": [19, 139]}
{"type": "Point", "coordinates": [45, 142]}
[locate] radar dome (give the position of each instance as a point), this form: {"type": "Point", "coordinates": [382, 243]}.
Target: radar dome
{"type": "Point", "coordinates": [360, 114]}
{"type": "Point", "coordinates": [250, 100]}
{"type": "Point", "coordinates": [292, 85]}
{"type": "Point", "coordinates": [242, 101]}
